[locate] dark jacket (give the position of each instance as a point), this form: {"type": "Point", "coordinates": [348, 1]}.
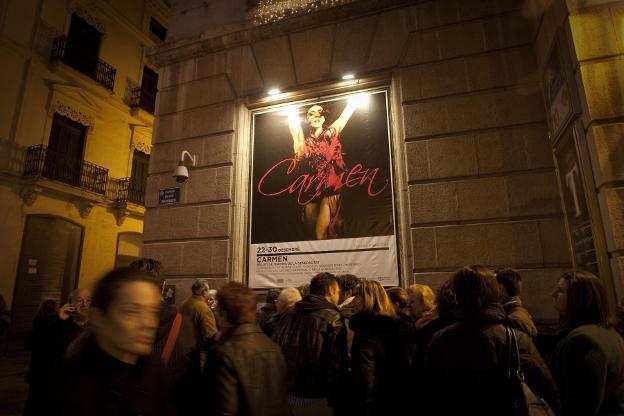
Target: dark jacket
{"type": "Point", "coordinates": [97, 384]}
{"type": "Point", "coordinates": [423, 338]}
{"type": "Point", "coordinates": [379, 364]}
{"type": "Point", "coordinates": [313, 338]}
{"type": "Point", "coordinates": [245, 374]}
{"type": "Point", "coordinates": [584, 363]}
{"type": "Point", "coordinates": [265, 314]}
{"type": "Point", "coordinates": [520, 318]}
{"type": "Point", "coordinates": [467, 363]}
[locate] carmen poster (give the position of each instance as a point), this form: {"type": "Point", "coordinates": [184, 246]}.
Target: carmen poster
{"type": "Point", "coordinates": [321, 192]}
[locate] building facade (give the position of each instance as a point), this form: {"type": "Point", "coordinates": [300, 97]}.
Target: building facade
{"type": "Point", "coordinates": [75, 138]}
{"type": "Point", "coordinates": [505, 118]}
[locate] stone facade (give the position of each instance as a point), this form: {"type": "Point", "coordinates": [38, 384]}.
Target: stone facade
{"type": "Point", "coordinates": [475, 180]}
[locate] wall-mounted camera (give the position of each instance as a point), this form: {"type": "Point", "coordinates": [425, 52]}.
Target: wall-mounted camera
{"type": "Point", "coordinates": [181, 173]}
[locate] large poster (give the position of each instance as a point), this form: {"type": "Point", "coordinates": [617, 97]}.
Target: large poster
{"type": "Point", "coordinates": [321, 192]}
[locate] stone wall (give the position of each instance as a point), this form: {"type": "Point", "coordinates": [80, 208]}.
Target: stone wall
{"type": "Point", "coordinates": [475, 181]}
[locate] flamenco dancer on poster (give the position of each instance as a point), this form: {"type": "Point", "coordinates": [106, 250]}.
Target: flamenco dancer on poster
{"type": "Point", "coordinates": [319, 153]}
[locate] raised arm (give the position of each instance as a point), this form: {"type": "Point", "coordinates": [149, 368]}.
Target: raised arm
{"type": "Point", "coordinates": [295, 131]}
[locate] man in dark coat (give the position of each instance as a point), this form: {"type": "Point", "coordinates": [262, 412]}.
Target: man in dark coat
{"type": "Point", "coordinates": [313, 338]}
{"type": "Point", "coordinates": [245, 371]}
{"type": "Point", "coordinates": [51, 339]}
{"type": "Point", "coordinates": [510, 286]}
{"type": "Point", "coordinates": [467, 362]}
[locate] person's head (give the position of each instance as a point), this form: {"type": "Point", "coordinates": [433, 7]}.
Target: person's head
{"type": "Point", "coordinates": [287, 298]}
{"type": "Point", "coordinates": [445, 299]}
{"type": "Point", "coordinates": [326, 285]}
{"type": "Point", "coordinates": [347, 283]}
{"type": "Point", "coordinates": [475, 287]}
{"type": "Point", "coordinates": [81, 299]}
{"type": "Point", "coordinates": [370, 296]}
{"type": "Point", "coordinates": [509, 282]}
{"type": "Point", "coordinates": [316, 116]}
{"type": "Point", "coordinates": [212, 298]}
{"type": "Point", "coordinates": [399, 298]}
{"type": "Point", "coordinates": [124, 313]}
{"type": "Point", "coordinates": [236, 304]}
{"type": "Point", "coordinates": [271, 296]}
{"type": "Point", "coordinates": [580, 298]}
{"type": "Point", "coordinates": [153, 268]}
{"type": "Point", "coordinates": [421, 299]}
{"type": "Point", "coordinates": [201, 288]}
{"type": "Point", "coordinates": [47, 308]}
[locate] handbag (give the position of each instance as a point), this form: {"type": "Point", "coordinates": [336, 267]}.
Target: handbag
{"type": "Point", "coordinates": [523, 401]}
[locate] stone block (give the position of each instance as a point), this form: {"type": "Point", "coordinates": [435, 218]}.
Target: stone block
{"type": "Point", "coordinates": [425, 119]}
{"type": "Point", "coordinates": [523, 104]}
{"type": "Point", "coordinates": [417, 160]}
{"type": "Point", "coordinates": [487, 71]}
{"type": "Point", "coordinates": [533, 194]}
{"type": "Point", "coordinates": [437, 13]}
{"type": "Point", "coordinates": [209, 184]}
{"type": "Point", "coordinates": [170, 223]}
{"type": "Point", "coordinates": [459, 245]}
{"type": "Point", "coordinates": [607, 148]}
{"type": "Point", "coordinates": [537, 288]}
{"type": "Point", "coordinates": [604, 88]}
{"type": "Point", "coordinates": [513, 244]}
{"type": "Point", "coordinates": [178, 73]}
{"type": "Point", "coordinates": [470, 112]}
{"type": "Point", "coordinates": [275, 62]}
{"type": "Point", "coordinates": [473, 9]}
{"type": "Point", "coordinates": [348, 53]}
{"type": "Point", "coordinates": [242, 71]}
{"type": "Point", "coordinates": [613, 204]}
{"type": "Point", "coordinates": [433, 279]}
{"type": "Point", "coordinates": [594, 33]}
{"type": "Point", "coordinates": [452, 156]}
{"type": "Point", "coordinates": [484, 198]}
{"type": "Point", "coordinates": [212, 64]}
{"type": "Point", "coordinates": [554, 242]}
{"type": "Point", "coordinates": [200, 93]}
{"type": "Point", "coordinates": [214, 119]}
{"type": "Point", "coordinates": [312, 63]}
{"type": "Point", "coordinates": [521, 65]}
{"type": "Point", "coordinates": [209, 257]}
{"type": "Point", "coordinates": [214, 220]}
{"type": "Point", "coordinates": [422, 47]}
{"type": "Point", "coordinates": [169, 254]}
{"type": "Point", "coordinates": [617, 11]}
{"type": "Point", "coordinates": [460, 40]}
{"type": "Point", "coordinates": [435, 202]}
{"type": "Point", "coordinates": [389, 40]}
{"type": "Point", "coordinates": [424, 248]}
{"type": "Point", "coordinates": [537, 146]}
{"type": "Point", "coordinates": [211, 150]}
{"type": "Point", "coordinates": [434, 80]}
{"type": "Point", "coordinates": [509, 30]}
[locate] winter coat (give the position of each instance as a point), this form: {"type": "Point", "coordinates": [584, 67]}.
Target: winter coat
{"type": "Point", "coordinates": [264, 316]}
{"type": "Point", "coordinates": [467, 364]}
{"type": "Point", "coordinates": [520, 318]}
{"type": "Point", "coordinates": [97, 384]}
{"type": "Point", "coordinates": [245, 374]}
{"type": "Point", "coordinates": [199, 313]}
{"type": "Point", "coordinates": [584, 363]}
{"type": "Point", "coordinates": [379, 364]}
{"type": "Point", "coordinates": [313, 338]}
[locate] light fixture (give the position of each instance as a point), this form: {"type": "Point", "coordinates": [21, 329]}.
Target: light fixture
{"type": "Point", "coordinates": [348, 76]}
{"type": "Point", "coordinates": [274, 91]}
{"type": "Point", "coordinates": [180, 173]}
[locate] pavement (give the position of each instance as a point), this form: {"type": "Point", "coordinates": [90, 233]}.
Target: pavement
{"type": "Point", "coordinates": [13, 388]}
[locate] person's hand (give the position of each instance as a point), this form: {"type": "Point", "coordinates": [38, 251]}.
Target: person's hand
{"type": "Point", "coordinates": [66, 310]}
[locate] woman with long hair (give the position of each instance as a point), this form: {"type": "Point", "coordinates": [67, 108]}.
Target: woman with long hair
{"type": "Point", "coordinates": [588, 363]}
{"type": "Point", "coordinates": [379, 352]}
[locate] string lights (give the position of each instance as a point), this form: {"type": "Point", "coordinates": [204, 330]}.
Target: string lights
{"type": "Point", "coordinates": [270, 11]}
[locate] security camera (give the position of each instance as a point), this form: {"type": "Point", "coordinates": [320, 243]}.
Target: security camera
{"type": "Point", "coordinates": [181, 173]}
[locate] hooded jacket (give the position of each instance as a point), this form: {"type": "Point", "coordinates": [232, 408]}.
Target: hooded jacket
{"type": "Point", "coordinates": [313, 338]}
{"type": "Point", "coordinates": [379, 364]}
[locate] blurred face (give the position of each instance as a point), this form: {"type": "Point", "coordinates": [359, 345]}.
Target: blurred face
{"type": "Point", "coordinates": [416, 304]}
{"type": "Point", "coordinates": [129, 326]}
{"type": "Point", "coordinates": [314, 117]}
{"type": "Point", "coordinates": [560, 296]}
{"type": "Point", "coordinates": [82, 300]}
{"type": "Point", "coordinates": [334, 294]}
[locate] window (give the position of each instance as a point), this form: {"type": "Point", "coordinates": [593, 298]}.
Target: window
{"type": "Point", "coordinates": [157, 29]}
{"type": "Point", "coordinates": [64, 154]}
{"type": "Point", "coordinates": [138, 177]}
{"type": "Point", "coordinates": [149, 86]}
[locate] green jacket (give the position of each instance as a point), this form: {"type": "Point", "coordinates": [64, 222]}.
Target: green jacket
{"type": "Point", "coordinates": [584, 364]}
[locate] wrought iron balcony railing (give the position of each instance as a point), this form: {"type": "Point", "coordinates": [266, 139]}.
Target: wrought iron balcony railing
{"type": "Point", "coordinates": [69, 52]}
{"type": "Point", "coordinates": [41, 161]}
{"type": "Point", "coordinates": [128, 190]}
{"type": "Point", "coordinates": [143, 99]}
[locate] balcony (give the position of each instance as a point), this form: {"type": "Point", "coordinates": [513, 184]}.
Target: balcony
{"type": "Point", "coordinates": [127, 190]}
{"type": "Point", "coordinates": [43, 162]}
{"type": "Point", "coordinates": [141, 98]}
{"type": "Point", "coordinates": [65, 50]}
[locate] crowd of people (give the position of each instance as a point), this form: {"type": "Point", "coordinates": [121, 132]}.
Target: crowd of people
{"type": "Point", "coordinates": [338, 345]}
